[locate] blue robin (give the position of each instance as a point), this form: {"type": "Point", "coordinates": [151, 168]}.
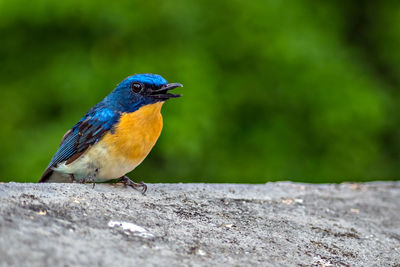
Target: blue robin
{"type": "Point", "coordinates": [114, 136]}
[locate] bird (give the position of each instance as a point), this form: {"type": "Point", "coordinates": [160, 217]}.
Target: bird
{"type": "Point", "coordinates": [115, 135]}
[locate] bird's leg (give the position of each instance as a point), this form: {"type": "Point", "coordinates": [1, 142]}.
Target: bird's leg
{"type": "Point", "coordinates": [89, 179]}
{"type": "Point", "coordinates": [142, 187]}
{"type": "Point", "coordinates": [93, 177]}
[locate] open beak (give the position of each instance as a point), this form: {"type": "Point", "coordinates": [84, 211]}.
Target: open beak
{"type": "Point", "coordinates": [162, 92]}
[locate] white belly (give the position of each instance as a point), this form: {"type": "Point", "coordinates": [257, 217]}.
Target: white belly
{"type": "Point", "coordinates": [97, 163]}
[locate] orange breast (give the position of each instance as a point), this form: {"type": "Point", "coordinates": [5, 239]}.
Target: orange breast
{"type": "Point", "coordinates": [135, 134]}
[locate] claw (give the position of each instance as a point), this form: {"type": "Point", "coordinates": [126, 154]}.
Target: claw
{"type": "Point", "coordinates": [89, 179]}
{"type": "Point", "coordinates": [141, 187]}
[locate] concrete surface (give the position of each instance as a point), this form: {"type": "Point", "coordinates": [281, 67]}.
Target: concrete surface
{"type": "Point", "coordinates": [276, 224]}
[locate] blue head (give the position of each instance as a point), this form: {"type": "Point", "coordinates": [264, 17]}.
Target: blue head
{"type": "Point", "coordinates": [141, 89]}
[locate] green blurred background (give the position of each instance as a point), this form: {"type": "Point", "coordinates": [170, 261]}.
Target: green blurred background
{"type": "Point", "coordinates": [274, 90]}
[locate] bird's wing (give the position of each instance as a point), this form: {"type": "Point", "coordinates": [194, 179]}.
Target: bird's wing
{"type": "Point", "coordinates": [88, 131]}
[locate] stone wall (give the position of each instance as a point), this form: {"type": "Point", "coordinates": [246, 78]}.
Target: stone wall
{"type": "Point", "coordinates": [276, 224]}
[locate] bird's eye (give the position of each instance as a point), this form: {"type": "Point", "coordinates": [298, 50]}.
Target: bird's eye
{"type": "Point", "coordinates": [136, 87]}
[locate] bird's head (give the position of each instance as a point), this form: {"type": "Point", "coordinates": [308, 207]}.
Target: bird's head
{"type": "Point", "coordinates": [150, 87]}
{"type": "Point", "coordinates": [141, 89]}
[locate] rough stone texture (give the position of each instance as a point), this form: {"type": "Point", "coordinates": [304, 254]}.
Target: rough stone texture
{"type": "Point", "coordinates": [276, 224]}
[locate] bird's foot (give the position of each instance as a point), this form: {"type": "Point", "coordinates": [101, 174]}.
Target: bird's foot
{"type": "Point", "coordinates": [89, 179]}
{"type": "Point", "coordinates": [141, 187]}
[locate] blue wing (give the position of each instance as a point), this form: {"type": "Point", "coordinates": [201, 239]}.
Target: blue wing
{"type": "Point", "coordinates": [88, 131]}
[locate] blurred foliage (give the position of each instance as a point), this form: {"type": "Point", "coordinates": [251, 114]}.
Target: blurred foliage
{"type": "Point", "coordinates": [274, 90]}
